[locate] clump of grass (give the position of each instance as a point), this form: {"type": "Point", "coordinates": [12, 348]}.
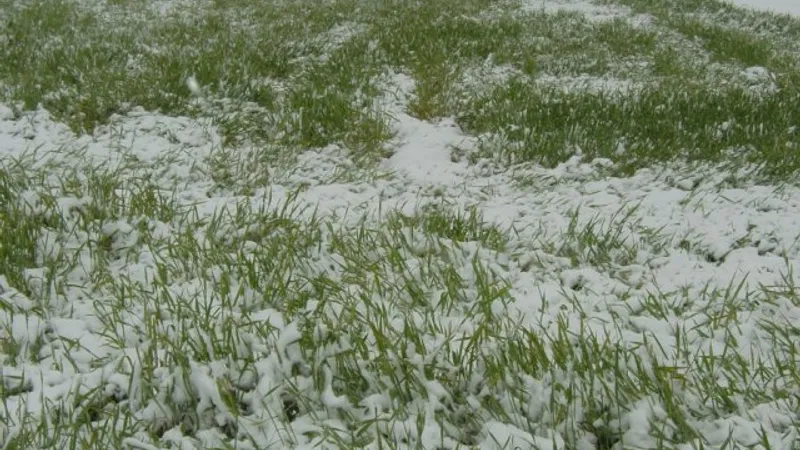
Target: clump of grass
{"type": "Point", "coordinates": [597, 244]}
{"type": "Point", "coordinates": [430, 40]}
{"type": "Point", "coordinates": [727, 44]}
{"type": "Point", "coordinates": [20, 227]}
{"type": "Point", "coordinates": [333, 103]}
{"type": "Point", "coordinates": [467, 226]}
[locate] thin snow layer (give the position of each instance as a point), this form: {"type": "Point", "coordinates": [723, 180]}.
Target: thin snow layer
{"type": "Point", "coordinates": [163, 147]}
{"type": "Point", "coordinates": [674, 234]}
{"type": "Point", "coordinates": [588, 83]}
{"type": "Point", "coordinates": [776, 6]}
{"type": "Point", "coordinates": [592, 11]}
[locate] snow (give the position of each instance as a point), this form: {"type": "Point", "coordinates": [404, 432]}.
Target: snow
{"type": "Point", "coordinates": [589, 9]}
{"type": "Point", "coordinates": [775, 6]}
{"type": "Point", "coordinates": [598, 12]}
{"type": "Point", "coordinates": [422, 150]}
{"type": "Point", "coordinates": [194, 86]}
{"type": "Point", "coordinates": [713, 238]}
{"type": "Point", "coordinates": [592, 11]}
{"type": "Point", "coordinates": [714, 222]}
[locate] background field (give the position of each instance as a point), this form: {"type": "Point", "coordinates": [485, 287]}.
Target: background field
{"type": "Point", "coordinates": [447, 224]}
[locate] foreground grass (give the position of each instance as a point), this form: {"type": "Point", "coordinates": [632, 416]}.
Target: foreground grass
{"type": "Point", "coordinates": [239, 316]}
{"type": "Point", "coordinates": [264, 324]}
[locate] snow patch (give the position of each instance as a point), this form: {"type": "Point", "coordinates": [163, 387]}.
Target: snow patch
{"type": "Point", "coordinates": [422, 150]}
{"type": "Point", "coordinates": [775, 6]}
{"type": "Point", "coordinates": [592, 11]}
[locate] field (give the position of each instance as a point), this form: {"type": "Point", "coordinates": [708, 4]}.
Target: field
{"type": "Point", "coordinates": [439, 224]}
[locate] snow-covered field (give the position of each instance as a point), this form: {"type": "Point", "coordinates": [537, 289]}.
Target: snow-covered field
{"type": "Point", "coordinates": [166, 287]}
{"type": "Point", "coordinates": [776, 6]}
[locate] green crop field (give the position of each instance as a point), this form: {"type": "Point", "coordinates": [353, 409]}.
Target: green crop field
{"type": "Point", "coordinates": [432, 224]}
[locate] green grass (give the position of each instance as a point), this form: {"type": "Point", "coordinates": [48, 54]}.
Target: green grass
{"type": "Point", "coordinates": [658, 124]}
{"type": "Point", "coordinates": [287, 314]}
{"type": "Point", "coordinates": [269, 81]}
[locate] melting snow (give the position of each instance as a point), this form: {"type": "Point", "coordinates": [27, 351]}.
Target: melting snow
{"type": "Point", "coordinates": [422, 150]}
{"type": "Point", "coordinates": [713, 238]}
{"type": "Point", "coordinates": [776, 6]}
{"type": "Point", "coordinates": [590, 10]}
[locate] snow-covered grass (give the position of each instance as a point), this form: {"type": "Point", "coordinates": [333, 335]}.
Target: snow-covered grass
{"type": "Point", "coordinates": [405, 225]}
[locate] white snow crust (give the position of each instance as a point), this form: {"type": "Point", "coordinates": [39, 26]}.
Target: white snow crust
{"type": "Point", "coordinates": [714, 237]}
